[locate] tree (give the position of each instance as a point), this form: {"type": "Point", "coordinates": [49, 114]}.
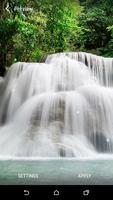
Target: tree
{"type": "Point", "coordinates": [31, 29]}
{"type": "Point", "coordinates": [94, 29]}
{"type": "Point", "coordinates": [61, 24]}
{"type": "Point", "coordinates": [8, 28]}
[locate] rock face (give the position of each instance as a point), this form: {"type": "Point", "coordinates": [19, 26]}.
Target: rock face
{"type": "Point", "coordinates": [63, 107]}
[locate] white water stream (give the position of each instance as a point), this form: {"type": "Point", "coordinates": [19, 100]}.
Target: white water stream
{"type": "Point", "coordinates": [63, 107]}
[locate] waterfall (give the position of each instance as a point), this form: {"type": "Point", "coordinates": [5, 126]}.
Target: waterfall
{"type": "Point", "coordinates": [60, 108]}
{"type": "Point", "coordinates": [101, 67]}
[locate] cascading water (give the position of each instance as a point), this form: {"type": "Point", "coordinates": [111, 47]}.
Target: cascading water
{"type": "Point", "coordinates": [102, 68]}
{"type": "Point", "coordinates": [63, 107]}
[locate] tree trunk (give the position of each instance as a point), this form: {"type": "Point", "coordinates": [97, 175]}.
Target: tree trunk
{"type": "Point", "coordinates": [2, 64]}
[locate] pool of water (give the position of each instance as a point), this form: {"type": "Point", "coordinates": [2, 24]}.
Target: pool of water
{"type": "Point", "coordinates": [56, 172]}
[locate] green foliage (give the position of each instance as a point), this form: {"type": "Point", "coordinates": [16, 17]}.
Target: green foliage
{"type": "Point", "coordinates": [108, 49]}
{"type": "Point", "coordinates": [95, 21]}
{"type": "Point", "coordinates": [94, 29]}
{"type": "Point", "coordinates": [31, 29]}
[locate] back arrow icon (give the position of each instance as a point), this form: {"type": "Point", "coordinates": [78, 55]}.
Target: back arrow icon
{"type": "Point", "coordinates": [26, 193]}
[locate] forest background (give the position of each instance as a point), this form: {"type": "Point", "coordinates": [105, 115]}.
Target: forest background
{"type": "Point", "coordinates": [32, 29]}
